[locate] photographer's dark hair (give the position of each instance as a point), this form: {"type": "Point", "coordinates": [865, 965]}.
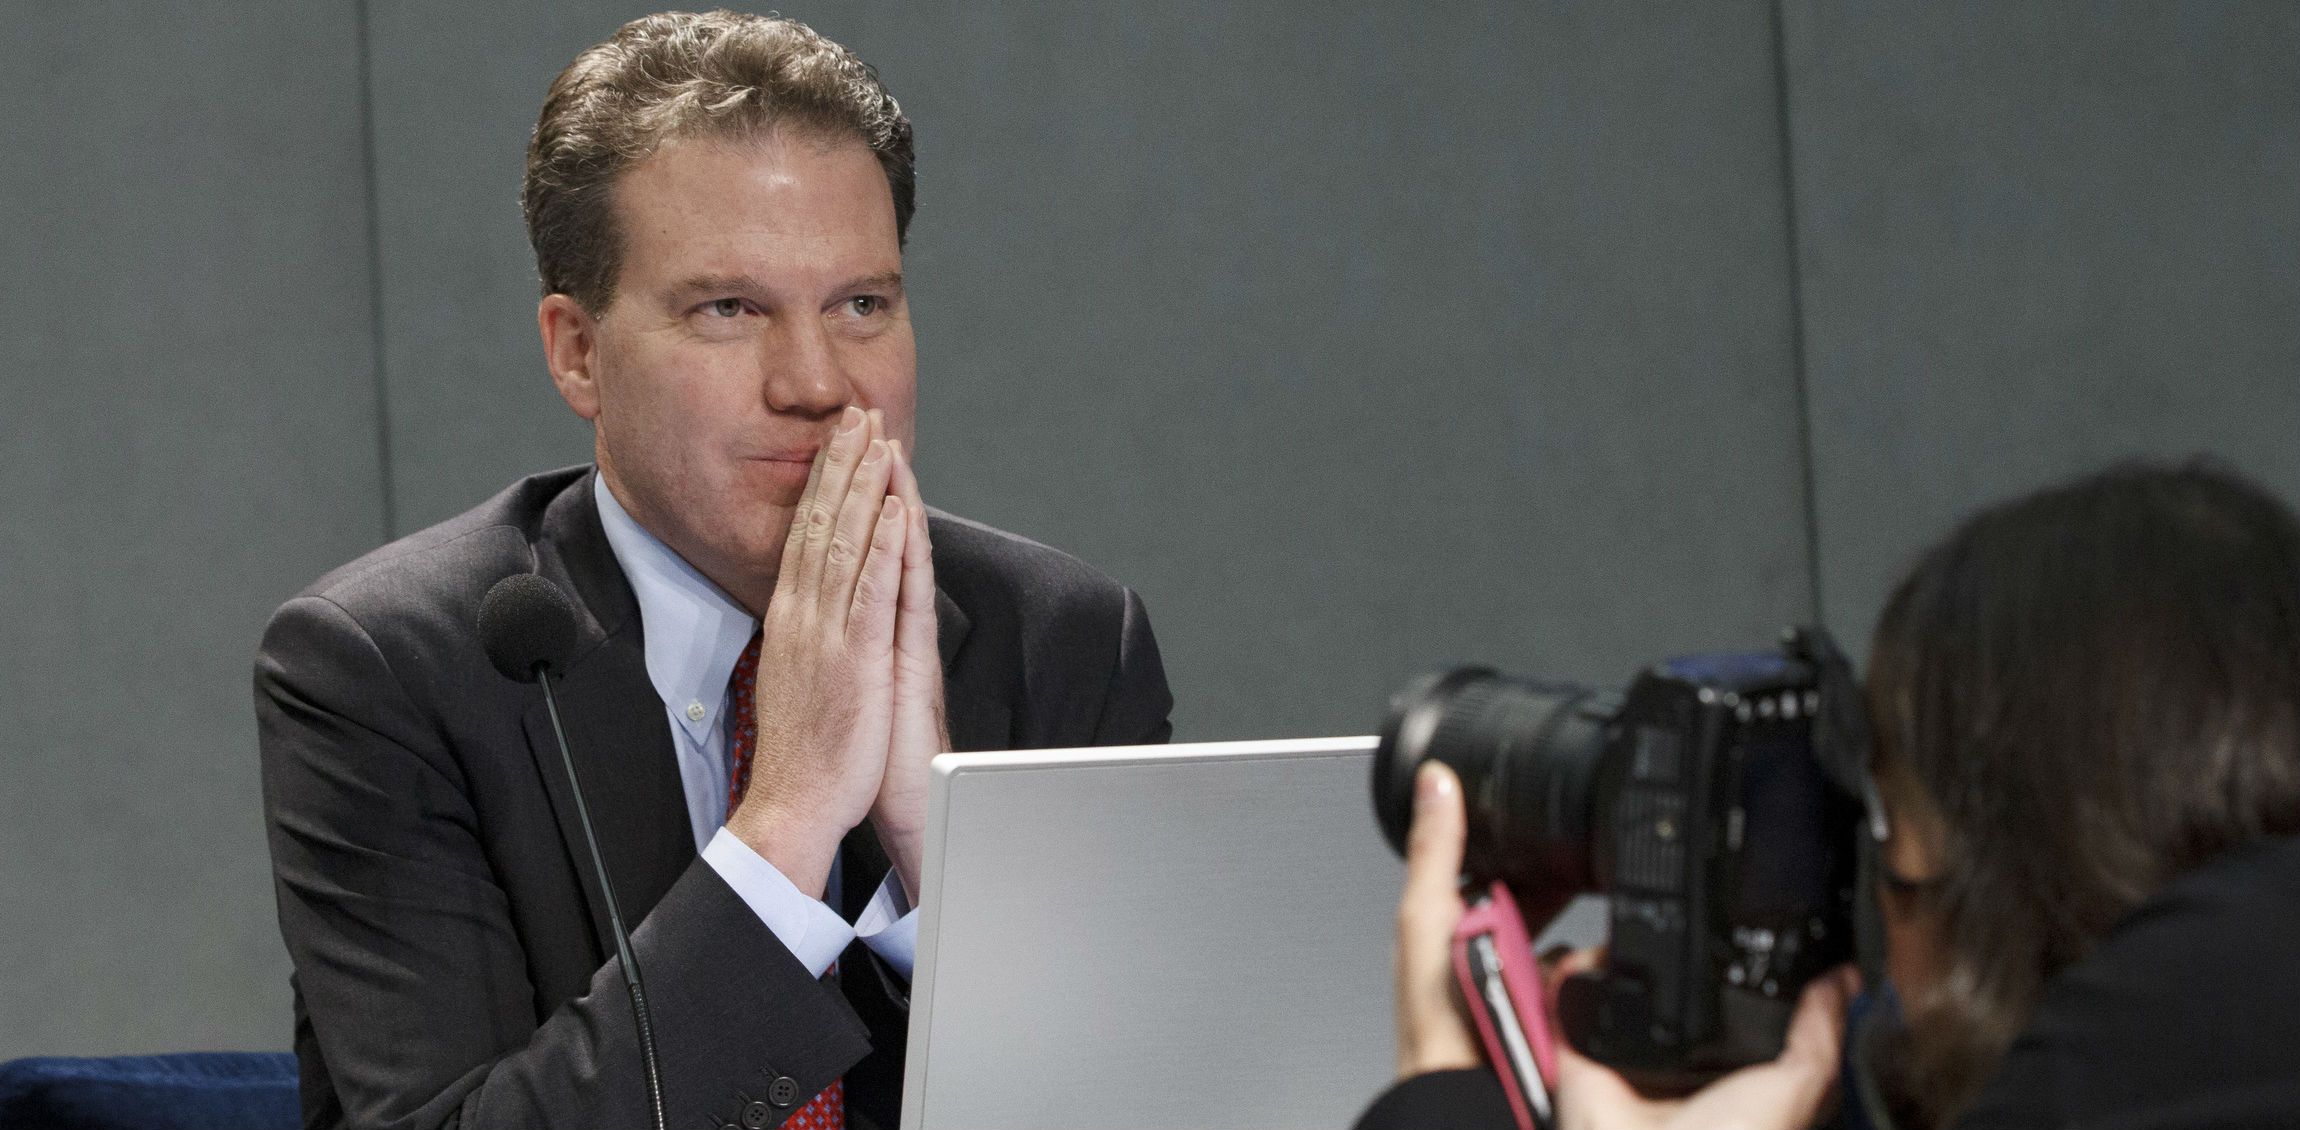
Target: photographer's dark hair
{"type": "Point", "coordinates": [2098, 686]}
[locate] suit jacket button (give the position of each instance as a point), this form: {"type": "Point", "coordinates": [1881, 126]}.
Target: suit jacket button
{"type": "Point", "coordinates": [782, 1092]}
{"type": "Point", "coordinates": [757, 1116]}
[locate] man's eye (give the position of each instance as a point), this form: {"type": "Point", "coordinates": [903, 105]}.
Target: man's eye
{"type": "Point", "coordinates": [725, 307]}
{"type": "Point", "coordinates": [867, 305]}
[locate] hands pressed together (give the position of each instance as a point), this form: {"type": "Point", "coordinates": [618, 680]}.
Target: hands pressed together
{"type": "Point", "coordinates": [849, 696]}
{"type": "Point", "coordinates": [1790, 1093]}
{"type": "Point", "coordinates": [850, 711]}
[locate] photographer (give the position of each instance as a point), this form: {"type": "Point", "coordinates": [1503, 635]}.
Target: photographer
{"type": "Point", "coordinates": [2086, 706]}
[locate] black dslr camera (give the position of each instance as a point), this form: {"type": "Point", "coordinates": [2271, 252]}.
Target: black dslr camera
{"type": "Point", "coordinates": [1718, 805]}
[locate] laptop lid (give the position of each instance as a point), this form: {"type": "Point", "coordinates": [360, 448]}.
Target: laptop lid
{"type": "Point", "coordinates": [1186, 936]}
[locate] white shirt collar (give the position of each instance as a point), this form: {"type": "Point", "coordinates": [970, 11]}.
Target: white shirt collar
{"type": "Point", "coordinates": [694, 631]}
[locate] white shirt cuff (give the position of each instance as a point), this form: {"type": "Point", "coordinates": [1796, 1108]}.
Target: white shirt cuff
{"type": "Point", "coordinates": [810, 929]}
{"type": "Point", "coordinates": [889, 926]}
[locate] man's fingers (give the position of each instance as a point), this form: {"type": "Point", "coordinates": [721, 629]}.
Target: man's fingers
{"type": "Point", "coordinates": [795, 539]}
{"type": "Point", "coordinates": [826, 495]}
{"type": "Point", "coordinates": [906, 481]}
{"type": "Point", "coordinates": [857, 524]}
{"type": "Point", "coordinates": [916, 632]}
{"type": "Point", "coordinates": [870, 612]}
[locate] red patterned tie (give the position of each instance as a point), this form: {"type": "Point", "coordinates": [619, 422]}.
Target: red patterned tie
{"type": "Point", "coordinates": [828, 1110]}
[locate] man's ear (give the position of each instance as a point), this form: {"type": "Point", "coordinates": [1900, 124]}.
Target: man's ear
{"type": "Point", "coordinates": [571, 349]}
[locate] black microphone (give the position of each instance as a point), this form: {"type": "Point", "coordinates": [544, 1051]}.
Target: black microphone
{"type": "Point", "coordinates": [528, 627]}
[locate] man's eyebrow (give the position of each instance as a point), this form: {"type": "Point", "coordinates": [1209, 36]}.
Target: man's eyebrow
{"type": "Point", "coordinates": [700, 285]}
{"type": "Point", "coordinates": [715, 284]}
{"type": "Point", "coordinates": [889, 280]}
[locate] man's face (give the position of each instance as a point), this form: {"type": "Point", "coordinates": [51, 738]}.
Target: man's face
{"type": "Point", "coordinates": [760, 295]}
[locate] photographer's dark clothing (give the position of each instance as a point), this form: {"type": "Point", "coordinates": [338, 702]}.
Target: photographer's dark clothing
{"type": "Point", "coordinates": [2187, 1015]}
{"type": "Point", "coordinates": [1442, 1100]}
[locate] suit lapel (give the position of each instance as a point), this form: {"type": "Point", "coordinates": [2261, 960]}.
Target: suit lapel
{"type": "Point", "coordinates": [617, 733]}
{"type": "Point", "coordinates": [976, 721]}
{"type": "Point", "coordinates": [950, 627]}
{"type": "Point", "coordinates": [621, 746]}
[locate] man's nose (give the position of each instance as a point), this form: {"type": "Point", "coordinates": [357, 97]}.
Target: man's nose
{"type": "Point", "coordinates": [803, 374]}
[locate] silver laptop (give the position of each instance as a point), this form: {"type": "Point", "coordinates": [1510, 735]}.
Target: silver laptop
{"type": "Point", "coordinates": [1188, 937]}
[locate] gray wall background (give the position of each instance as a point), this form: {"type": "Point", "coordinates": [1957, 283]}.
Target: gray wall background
{"type": "Point", "coordinates": [1357, 340]}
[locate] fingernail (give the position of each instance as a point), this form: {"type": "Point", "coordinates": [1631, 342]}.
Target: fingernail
{"type": "Point", "coordinates": [851, 419]}
{"type": "Point", "coordinates": [891, 510]}
{"type": "Point", "coordinates": [876, 452]}
{"type": "Point", "coordinates": [1429, 785]}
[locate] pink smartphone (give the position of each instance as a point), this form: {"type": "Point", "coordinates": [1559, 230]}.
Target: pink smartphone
{"type": "Point", "coordinates": [1501, 981]}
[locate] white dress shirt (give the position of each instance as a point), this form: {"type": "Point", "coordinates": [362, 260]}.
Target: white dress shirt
{"type": "Point", "coordinates": [695, 634]}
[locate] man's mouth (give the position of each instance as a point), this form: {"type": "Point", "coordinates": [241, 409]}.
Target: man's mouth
{"type": "Point", "coordinates": [804, 456]}
{"type": "Point", "coordinates": [784, 474]}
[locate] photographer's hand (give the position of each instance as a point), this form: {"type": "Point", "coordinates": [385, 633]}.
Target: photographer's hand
{"type": "Point", "coordinates": [1792, 1092]}
{"type": "Point", "coordinates": [1433, 1026]}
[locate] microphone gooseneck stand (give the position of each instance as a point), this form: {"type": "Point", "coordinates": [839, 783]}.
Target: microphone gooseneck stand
{"type": "Point", "coordinates": [623, 954]}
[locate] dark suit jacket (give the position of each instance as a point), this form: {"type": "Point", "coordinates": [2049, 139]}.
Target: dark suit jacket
{"type": "Point", "coordinates": [451, 955]}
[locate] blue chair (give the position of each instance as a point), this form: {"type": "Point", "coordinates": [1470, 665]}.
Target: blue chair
{"type": "Point", "coordinates": [190, 1091]}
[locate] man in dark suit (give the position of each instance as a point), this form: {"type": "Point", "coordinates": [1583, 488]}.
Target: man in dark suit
{"type": "Point", "coordinates": [775, 637]}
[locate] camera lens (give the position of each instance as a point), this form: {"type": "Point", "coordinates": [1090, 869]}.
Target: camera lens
{"type": "Point", "coordinates": [1527, 753]}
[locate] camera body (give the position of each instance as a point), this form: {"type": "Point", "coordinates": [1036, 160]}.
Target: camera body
{"type": "Point", "coordinates": [1710, 803]}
